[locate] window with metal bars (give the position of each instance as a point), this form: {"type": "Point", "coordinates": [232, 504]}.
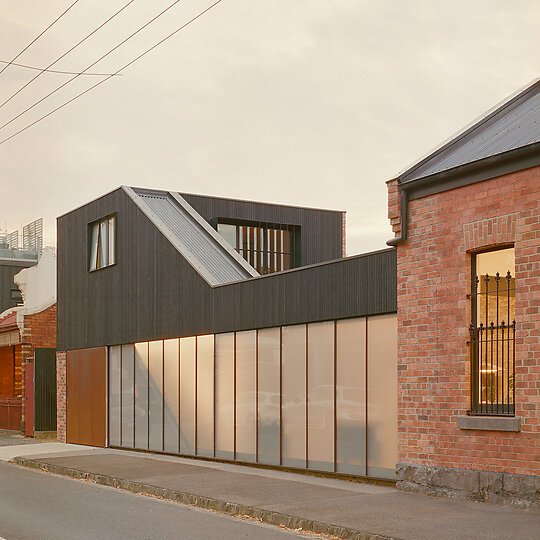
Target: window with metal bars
{"type": "Point", "coordinates": [267, 247]}
{"type": "Point", "coordinates": [101, 243]}
{"type": "Point", "coordinates": [492, 333]}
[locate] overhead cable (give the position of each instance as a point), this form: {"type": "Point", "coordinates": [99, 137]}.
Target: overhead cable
{"type": "Point", "coordinates": [113, 74]}
{"type": "Point", "coordinates": [91, 65]}
{"type": "Point", "coordinates": [53, 70]}
{"type": "Point", "coordinates": [36, 38]}
{"type": "Point", "coordinates": [67, 52]}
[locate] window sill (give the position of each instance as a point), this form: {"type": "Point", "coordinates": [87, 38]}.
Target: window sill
{"type": "Point", "coordinates": [490, 423]}
{"type": "Point", "coordinates": [101, 268]}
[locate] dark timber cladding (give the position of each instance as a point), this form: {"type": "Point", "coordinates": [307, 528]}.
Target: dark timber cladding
{"type": "Point", "coordinates": [152, 292]}
{"type": "Point", "coordinates": [321, 230]}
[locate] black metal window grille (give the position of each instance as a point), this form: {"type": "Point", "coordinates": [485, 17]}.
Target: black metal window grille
{"type": "Point", "coordinates": [492, 344]}
{"type": "Point", "coordinates": [267, 247]}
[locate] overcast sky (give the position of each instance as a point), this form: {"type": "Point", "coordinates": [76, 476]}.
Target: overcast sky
{"type": "Point", "coordinates": [305, 102]}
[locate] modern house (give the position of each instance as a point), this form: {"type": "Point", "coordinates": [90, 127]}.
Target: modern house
{"type": "Point", "coordinates": [225, 329]}
{"type": "Point", "coordinates": [467, 219]}
{"type": "Point", "coordinates": [239, 331]}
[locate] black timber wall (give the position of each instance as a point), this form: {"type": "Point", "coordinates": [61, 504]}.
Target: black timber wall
{"type": "Point", "coordinates": [153, 293]}
{"type": "Point", "coordinates": [321, 230]}
{"type": "Point", "coordinates": [8, 269]}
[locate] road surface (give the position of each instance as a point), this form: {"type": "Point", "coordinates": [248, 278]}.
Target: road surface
{"type": "Point", "coordinates": [37, 505]}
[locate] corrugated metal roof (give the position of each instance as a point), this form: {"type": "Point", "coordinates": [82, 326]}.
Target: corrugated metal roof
{"type": "Point", "coordinates": [208, 253]}
{"type": "Point", "coordinates": [512, 125]}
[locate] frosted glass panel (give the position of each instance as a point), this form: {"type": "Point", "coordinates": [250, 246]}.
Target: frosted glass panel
{"type": "Point", "coordinates": [205, 396]}
{"type": "Point", "coordinates": [321, 396]}
{"type": "Point", "coordinates": [170, 395]}
{"type": "Point", "coordinates": [225, 396]}
{"type": "Point", "coordinates": [293, 413]}
{"type": "Point", "coordinates": [268, 396]}
{"type": "Point", "coordinates": [187, 395]}
{"type": "Point", "coordinates": [141, 396]}
{"type": "Point", "coordinates": [382, 396]}
{"type": "Point", "coordinates": [246, 402]}
{"type": "Point", "coordinates": [115, 411]}
{"type": "Point", "coordinates": [128, 395]}
{"type": "Point", "coordinates": [155, 394]}
{"type": "Point", "coordinates": [351, 397]}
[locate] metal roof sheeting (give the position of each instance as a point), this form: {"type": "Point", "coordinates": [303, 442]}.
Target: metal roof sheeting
{"type": "Point", "coordinates": [197, 242]}
{"type": "Point", "coordinates": [513, 125]}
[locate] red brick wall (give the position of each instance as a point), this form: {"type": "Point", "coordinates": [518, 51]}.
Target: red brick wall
{"type": "Point", "coordinates": [61, 396]}
{"type": "Point", "coordinates": [39, 331]}
{"type": "Point", "coordinates": [344, 234]}
{"type": "Point", "coordinates": [18, 371]}
{"type": "Point", "coordinates": [434, 270]}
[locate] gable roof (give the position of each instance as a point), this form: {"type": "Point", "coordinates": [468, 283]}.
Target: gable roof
{"type": "Point", "coordinates": [510, 126]}
{"type": "Point", "coordinates": [194, 238]}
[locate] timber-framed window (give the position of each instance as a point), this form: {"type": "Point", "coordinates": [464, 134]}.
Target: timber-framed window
{"type": "Point", "coordinates": [102, 243]}
{"type": "Point", "coordinates": [492, 332]}
{"type": "Point", "coordinates": [268, 247]}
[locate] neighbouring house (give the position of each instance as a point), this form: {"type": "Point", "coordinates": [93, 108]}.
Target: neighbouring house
{"type": "Point", "coordinates": [467, 219]}
{"type": "Point", "coordinates": [227, 329]}
{"type": "Point", "coordinates": [27, 351]}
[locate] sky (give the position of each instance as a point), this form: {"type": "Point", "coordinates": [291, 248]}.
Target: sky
{"type": "Point", "coordinates": [303, 102]}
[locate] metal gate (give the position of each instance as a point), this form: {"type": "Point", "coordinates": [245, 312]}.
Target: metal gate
{"type": "Point", "coordinates": [45, 390]}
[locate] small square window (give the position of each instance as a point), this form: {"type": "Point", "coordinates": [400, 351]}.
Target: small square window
{"type": "Point", "coordinates": [16, 296]}
{"type": "Point", "coordinates": [102, 244]}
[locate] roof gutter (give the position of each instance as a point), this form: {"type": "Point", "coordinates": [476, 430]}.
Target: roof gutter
{"type": "Point", "coordinates": [469, 173]}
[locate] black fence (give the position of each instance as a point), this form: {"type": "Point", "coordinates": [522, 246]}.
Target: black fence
{"type": "Point", "coordinates": [45, 390]}
{"type": "Point", "coordinates": [492, 345]}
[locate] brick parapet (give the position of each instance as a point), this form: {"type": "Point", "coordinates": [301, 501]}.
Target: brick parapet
{"type": "Point", "coordinates": [344, 234]}
{"type": "Point", "coordinates": [61, 394]}
{"type": "Point", "coordinates": [394, 206]}
{"type": "Point", "coordinates": [434, 272]}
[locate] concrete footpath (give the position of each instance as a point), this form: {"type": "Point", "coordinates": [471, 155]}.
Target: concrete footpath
{"type": "Point", "coordinates": [334, 507]}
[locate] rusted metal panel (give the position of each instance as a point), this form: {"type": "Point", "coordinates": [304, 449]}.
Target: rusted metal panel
{"type": "Point", "coordinates": [10, 413]}
{"type": "Point", "coordinates": [86, 398]}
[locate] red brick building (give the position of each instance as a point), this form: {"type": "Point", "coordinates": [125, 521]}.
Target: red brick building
{"type": "Point", "coordinates": [468, 375]}
{"type": "Point", "coordinates": [28, 331]}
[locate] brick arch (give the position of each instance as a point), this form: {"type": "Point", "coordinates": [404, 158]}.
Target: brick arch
{"type": "Point", "coordinates": [490, 232]}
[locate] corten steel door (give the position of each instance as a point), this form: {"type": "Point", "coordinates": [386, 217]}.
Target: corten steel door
{"type": "Point", "coordinates": [29, 397]}
{"type": "Point", "coordinates": [45, 389]}
{"type": "Point", "coordinates": [86, 391]}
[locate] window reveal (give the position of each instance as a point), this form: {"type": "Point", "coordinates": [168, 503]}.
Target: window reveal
{"type": "Point", "coordinates": [267, 248]}
{"type": "Point", "coordinates": [102, 243]}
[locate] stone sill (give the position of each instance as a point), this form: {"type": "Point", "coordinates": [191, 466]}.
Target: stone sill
{"type": "Point", "coordinates": [490, 423]}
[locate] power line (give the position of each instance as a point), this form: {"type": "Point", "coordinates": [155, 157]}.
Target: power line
{"type": "Point", "coordinates": [91, 65]}
{"type": "Point", "coordinates": [54, 70]}
{"type": "Point", "coordinates": [66, 53]}
{"type": "Point", "coordinates": [36, 38]}
{"type": "Point", "coordinates": [115, 73]}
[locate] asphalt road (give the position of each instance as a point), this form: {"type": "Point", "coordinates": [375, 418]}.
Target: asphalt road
{"type": "Point", "coordinates": [36, 505]}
